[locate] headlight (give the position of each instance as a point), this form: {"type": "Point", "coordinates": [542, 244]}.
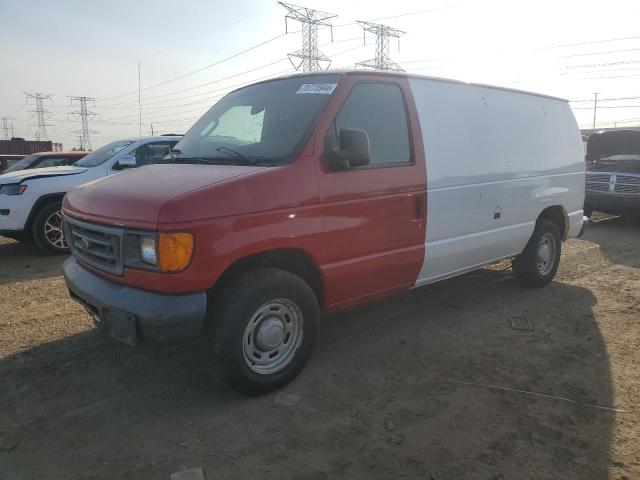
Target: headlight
{"type": "Point", "coordinates": [12, 189]}
{"type": "Point", "coordinates": [148, 250]}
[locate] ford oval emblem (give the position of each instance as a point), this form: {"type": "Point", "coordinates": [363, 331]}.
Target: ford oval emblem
{"type": "Point", "coordinates": [85, 243]}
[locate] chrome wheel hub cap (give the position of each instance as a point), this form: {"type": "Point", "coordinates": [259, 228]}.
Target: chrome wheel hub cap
{"type": "Point", "coordinates": [269, 334]}
{"type": "Point", "coordinates": [273, 336]}
{"type": "Point", "coordinates": [54, 230]}
{"type": "Point", "coordinates": [546, 253]}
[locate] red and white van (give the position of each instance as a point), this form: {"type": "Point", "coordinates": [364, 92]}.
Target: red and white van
{"type": "Point", "coordinates": [311, 192]}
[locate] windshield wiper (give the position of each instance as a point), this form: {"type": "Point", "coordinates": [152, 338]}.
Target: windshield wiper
{"type": "Point", "coordinates": [236, 154]}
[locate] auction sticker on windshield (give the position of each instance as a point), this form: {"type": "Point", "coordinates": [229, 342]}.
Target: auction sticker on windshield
{"type": "Point", "coordinates": [322, 88]}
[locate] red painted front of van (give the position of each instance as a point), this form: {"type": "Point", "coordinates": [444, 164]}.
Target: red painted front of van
{"type": "Point", "coordinates": [364, 229]}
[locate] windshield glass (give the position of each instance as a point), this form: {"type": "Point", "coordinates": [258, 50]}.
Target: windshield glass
{"type": "Point", "coordinates": [269, 121]}
{"type": "Point", "coordinates": [102, 154]}
{"type": "Point", "coordinates": [22, 164]}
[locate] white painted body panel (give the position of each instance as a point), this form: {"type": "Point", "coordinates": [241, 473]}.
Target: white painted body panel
{"type": "Point", "coordinates": [491, 151]}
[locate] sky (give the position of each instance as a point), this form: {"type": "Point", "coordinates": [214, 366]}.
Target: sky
{"type": "Point", "coordinates": [192, 52]}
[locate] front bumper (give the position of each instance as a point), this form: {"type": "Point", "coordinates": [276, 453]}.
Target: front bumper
{"type": "Point", "coordinates": [132, 315]}
{"type": "Point", "coordinates": [15, 210]}
{"type": "Point", "coordinates": [612, 202]}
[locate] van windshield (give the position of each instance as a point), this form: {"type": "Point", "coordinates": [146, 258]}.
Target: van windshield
{"type": "Point", "coordinates": [267, 122]}
{"type": "Point", "coordinates": [102, 154]}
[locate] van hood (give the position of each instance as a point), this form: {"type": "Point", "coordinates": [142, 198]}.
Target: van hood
{"type": "Point", "coordinates": [136, 197]}
{"type": "Point", "coordinates": [33, 173]}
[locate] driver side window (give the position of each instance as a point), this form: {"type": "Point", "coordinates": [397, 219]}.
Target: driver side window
{"type": "Point", "coordinates": [379, 110]}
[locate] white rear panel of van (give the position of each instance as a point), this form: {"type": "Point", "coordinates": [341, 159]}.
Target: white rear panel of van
{"type": "Point", "coordinates": [495, 160]}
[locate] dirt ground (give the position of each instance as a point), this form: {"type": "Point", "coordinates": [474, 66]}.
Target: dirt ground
{"type": "Point", "coordinates": [429, 384]}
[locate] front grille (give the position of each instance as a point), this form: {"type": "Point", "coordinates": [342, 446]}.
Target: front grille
{"type": "Point", "coordinates": [598, 182]}
{"type": "Point", "coordinates": [627, 184]}
{"type": "Point", "coordinates": [98, 245]}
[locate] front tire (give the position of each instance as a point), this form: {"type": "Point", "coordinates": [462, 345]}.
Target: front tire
{"type": "Point", "coordinates": [265, 329]}
{"type": "Point", "coordinates": [538, 263]}
{"type": "Point", "coordinates": [48, 231]}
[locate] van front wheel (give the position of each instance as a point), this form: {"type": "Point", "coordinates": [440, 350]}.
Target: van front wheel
{"type": "Point", "coordinates": [537, 264]}
{"type": "Point", "coordinates": [266, 323]}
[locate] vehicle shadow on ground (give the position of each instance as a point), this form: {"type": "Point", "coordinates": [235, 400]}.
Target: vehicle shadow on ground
{"type": "Point", "coordinates": [603, 229]}
{"type": "Point", "coordinates": [24, 261]}
{"type": "Point", "coordinates": [379, 399]}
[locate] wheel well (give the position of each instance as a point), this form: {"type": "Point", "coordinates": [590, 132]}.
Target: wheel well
{"type": "Point", "coordinates": [41, 202]}
{"type": "Point", "coordinates": [557, 215]}
{"type": "Point", "coordinates": [294, 260]}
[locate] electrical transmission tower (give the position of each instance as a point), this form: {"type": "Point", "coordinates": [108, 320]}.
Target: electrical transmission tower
{"type": "Point", "coordinates": [41, 114]}
{"type": "Point", "coordinates": [309, 56]}
{"type": "Point", "coordinates": [382, 61]}
{"type": "Point", "coordinates": [7, 127]}
{"type": "Point", "coordinates": [83, 114]}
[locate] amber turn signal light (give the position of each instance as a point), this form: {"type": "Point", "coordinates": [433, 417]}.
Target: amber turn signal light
{"type": "Point", "coordinates": [174, 251]}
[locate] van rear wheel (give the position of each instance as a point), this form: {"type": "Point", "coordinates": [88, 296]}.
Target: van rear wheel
{"type": "Point", "coordinates": [266, 323]}
{"type": "Point", "coordinates": [538, 263]}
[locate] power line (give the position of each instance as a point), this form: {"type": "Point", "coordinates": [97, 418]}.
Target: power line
{"type": "Point", "coordinates": [175, 92]}
{"type": "Point", "coordinates": [382, 60]}
{"type": "Point", "coordinates": [591, 42]}
{"type": "Point", "coordinates": [40, 113]}
{"type": "Point", "coordinates": [607, 106]}
{"type": "Point", "coordinates": [610, 76]}
{"type": "Point", "coordinates": [605, 70]}
{"type": "Point", "coordinates": [605, 99]}
{"type": "Point", "coordinates": [605, 64]}
{"type": "Point", "coordinates": [118, 120]}
{"type": "Point", "coordinates": [309, 56]}
{"type": "Point", "coordinates": [606, 52]}
{"type": "Point", "coordinates": [199, 102]}
{"type": "Point", "coordinates": [199, 69]}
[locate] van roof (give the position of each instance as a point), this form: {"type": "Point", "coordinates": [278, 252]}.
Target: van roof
{"type": "Point", "coordinates": [354, 71]}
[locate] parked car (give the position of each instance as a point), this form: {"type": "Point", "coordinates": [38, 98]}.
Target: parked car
{"type": "Point", "coordinates": [311, 192]}
{"type": "Point", "coordinates": [30, 199]}
{"type": "Point", "coordinates": [46, 159]}
{"type": "Point", "coordinates": [6, 160]}
{"type": "Point", "coordinates": [613, 172]}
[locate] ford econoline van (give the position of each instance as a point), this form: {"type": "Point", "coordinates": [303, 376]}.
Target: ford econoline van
{"type": "Point", "coordinates": [311, 192]}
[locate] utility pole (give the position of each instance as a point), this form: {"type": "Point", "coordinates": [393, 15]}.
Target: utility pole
{"type": "Point", "coordinates": [139, 105]}
{"type": "Point", "coordinates": [7, 126]}
{"type": "Point", "coordinates": [152, 131]}
{"type": "Point", "coordinates": [382, 61]}
{"type": "Point", "coordinates": [83, 114]}
{"type": "Point", "coordinates": [595, 108]}
{"type": "Point", "coordinates": [41, 114]}
{"type": "Point", "coordinates": [309, 56]}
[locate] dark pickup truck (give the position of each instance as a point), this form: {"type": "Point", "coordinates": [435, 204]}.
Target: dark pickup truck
{"type": "Point", "coordinates": [613, 172]}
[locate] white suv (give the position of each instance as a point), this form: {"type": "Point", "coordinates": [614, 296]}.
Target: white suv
{"type": "Point", "coordinates": [30, 199]}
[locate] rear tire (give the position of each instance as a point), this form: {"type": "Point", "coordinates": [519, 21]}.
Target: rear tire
{"type": "Point", "coordinates": [47, 230]}
{"type": "Point", "coordinates": [266, 324]}
{"type": "Point", "coordinates": [538, 263]}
